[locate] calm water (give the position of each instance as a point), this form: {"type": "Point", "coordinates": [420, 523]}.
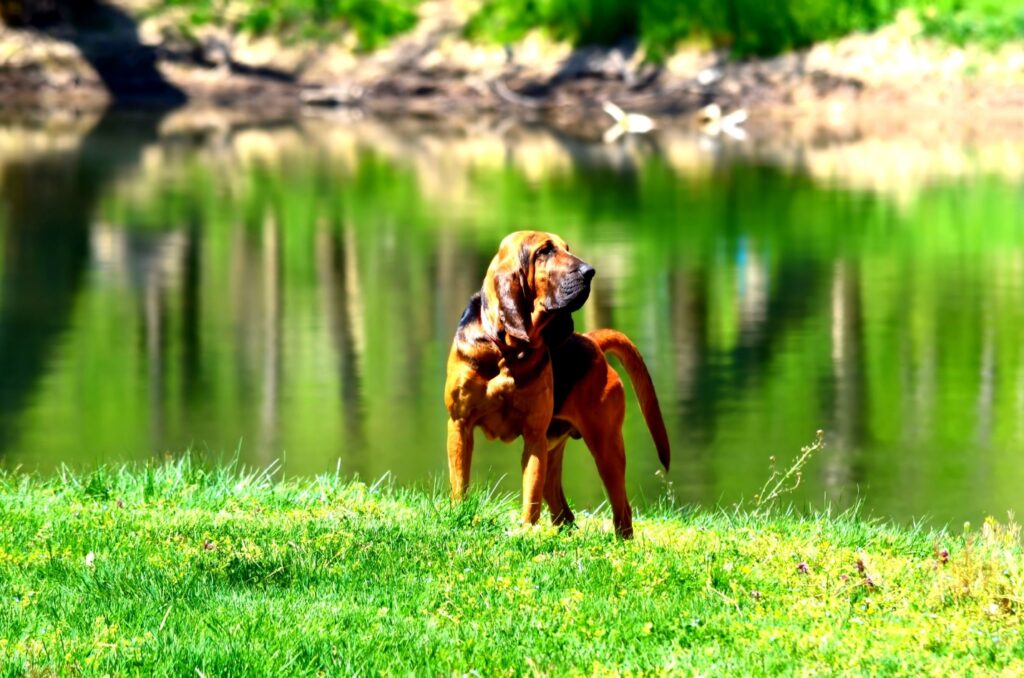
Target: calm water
{"type": "Point", "coordinates": [292, 292]}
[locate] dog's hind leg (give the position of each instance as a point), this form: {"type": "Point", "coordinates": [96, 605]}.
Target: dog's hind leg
{"type": "Point", "coordinates": [604, 439]}
{"type": "Point", "coordinates": [554, 495]}
{"type": "Point", "coordinates": [610, 455]}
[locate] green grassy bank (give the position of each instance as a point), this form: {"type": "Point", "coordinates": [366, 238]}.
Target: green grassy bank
{"type": "Point", "coordinates": [176, 570]}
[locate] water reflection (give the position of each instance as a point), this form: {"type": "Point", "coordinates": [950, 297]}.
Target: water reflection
{"type": "Point", "coordinates": [50, 190]}
{"type": "Point", "coordinates": [293, 290]}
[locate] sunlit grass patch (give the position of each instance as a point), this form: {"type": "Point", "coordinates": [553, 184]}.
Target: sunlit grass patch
{"type": "Point", "coordinates": [175, 567]}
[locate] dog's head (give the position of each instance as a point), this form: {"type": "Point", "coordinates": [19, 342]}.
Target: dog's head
{"type": "Point", "coordinates": [532, 279]}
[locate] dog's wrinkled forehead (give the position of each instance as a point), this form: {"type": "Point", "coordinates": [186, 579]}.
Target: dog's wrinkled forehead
{"type": "Point", "coordinates": [523, 244]}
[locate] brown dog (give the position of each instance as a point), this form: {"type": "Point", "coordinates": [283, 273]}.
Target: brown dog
{"type": "Point", "coordinates": [517, 368]}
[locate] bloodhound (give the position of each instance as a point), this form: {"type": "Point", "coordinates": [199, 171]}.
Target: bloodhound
{"type": "Point", "coordinates": [518, 368]}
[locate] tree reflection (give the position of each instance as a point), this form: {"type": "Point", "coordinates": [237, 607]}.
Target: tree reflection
{"type": "Point", "coordinates": [335, 261]}
{"type": "Point", "coordinates": [49, 201]}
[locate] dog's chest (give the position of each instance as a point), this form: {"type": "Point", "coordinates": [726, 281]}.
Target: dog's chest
{"type": "Point", "coordinates": [502, 426]}
{"type": "Point", "coordinates": [507, 409]}
{"type": "Point", "coordinates": [512, 405]}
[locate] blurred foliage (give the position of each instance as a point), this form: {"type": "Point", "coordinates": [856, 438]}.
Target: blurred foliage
{"type": "Point", "coordinates": [989, 22]}
{"type": "Point", "coordinates": [745, 27]}
{"type": "Point", "coordinates": [372, 21]}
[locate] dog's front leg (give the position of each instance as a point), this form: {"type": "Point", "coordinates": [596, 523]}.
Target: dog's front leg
{"type": "Point", "coordinates": [460, 455]}
{"type": "Point", "coordinates": [535, 465]}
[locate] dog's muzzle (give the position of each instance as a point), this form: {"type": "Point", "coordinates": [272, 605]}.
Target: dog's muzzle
{"type": "Point", "coordinates": [574, 288]}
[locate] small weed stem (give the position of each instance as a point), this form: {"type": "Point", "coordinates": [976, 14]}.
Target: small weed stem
{"type": "Point", "coordinates": [779, 484]}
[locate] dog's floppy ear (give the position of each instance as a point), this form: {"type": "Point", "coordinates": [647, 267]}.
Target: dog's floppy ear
{"type": "Point", "coordinates": [513, 307]}
{"type": "Point", "coordinates": [507, 298]}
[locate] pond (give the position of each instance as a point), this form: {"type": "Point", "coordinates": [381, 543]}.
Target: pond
{"type": "Point", "coordinates": [289, 292]}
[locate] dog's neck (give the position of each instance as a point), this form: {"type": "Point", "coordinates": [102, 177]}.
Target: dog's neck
{"type": "Point", "coordinates": [523, 361]}
{"type": "Point", "coordinates": [558, 330]}
{"type": "Point", "coordinates": [515, 353]}
{"type": "Point", "coordinates": [507, 345]}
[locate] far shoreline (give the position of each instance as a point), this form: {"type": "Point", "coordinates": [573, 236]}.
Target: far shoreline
{"type": "Point", "coordinates": [892, 82]}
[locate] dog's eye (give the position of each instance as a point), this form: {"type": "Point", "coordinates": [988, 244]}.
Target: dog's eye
{"type": "Point", "coordinates": [546, 249]}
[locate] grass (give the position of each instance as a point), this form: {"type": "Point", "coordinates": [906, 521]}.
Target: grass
{"type": "Point", "coordinates": [179, 569]}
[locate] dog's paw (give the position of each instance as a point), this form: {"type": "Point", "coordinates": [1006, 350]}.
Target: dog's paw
{"type": "Point", "coordinates": [568, 527]}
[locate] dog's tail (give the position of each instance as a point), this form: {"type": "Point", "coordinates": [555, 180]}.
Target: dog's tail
{"type": "Point", "coordinates": [619, 345]}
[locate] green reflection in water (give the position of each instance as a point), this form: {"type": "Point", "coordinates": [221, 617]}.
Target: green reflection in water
{"type": "Point", "coordinates": [294, 290]}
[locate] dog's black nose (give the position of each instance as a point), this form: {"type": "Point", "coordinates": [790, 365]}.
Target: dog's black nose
{"type": "Point", "coordinates": [587, 272]}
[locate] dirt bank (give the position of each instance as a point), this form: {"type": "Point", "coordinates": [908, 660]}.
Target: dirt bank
{"type": "Point", "coordinates": [891, 81]}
